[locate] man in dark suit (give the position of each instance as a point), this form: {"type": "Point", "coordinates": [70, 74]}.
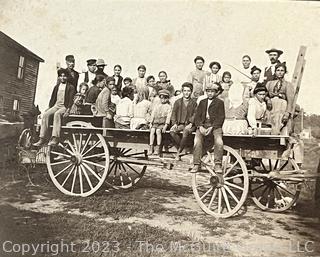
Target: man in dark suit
{"type": "Point", "coordinates": [209, 119]}
{"type": "Point", "coordinates": [269, 72]}
{"type": "Point", "coordinates": [60, 102]}
{"type": "Point", "coordinates": [182, 118]}
{"type": "Point", "coordinates": [73, 76]}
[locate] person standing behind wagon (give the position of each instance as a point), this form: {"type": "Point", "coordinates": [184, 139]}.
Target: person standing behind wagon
{"type": "Point", "coordinates": [118, 78]}
{"type": "Point", "coordinates": [140, 82]}
{"type": "Point", "coordinates": [182, 118]}
{"type": "Point", "coordinates": [279, 100]}
{"type": "Point", "coordinates": [73, 76]}
{"type": "Point", "coordinates": [269, 72]}
{"type": "Point", "coordinates": [90, 74]}
{"type": "Point", "coordinates": [197, 77]}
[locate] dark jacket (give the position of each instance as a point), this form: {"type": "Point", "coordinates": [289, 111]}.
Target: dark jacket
{"type": "Point", "coordinates": [177, 111]}
{"type": "Point", "coordinates": [268, 76]}
{"type": "Point", "coordinates": [68, 96]}
{"type": "Point", "coordinates": [216, 113]}
{"type": "Point", "coordinates": [73, 79]}
{"type": "Point", "coordinates": [92, 94]}
{"type": "Point", "coordinates": [119, 84]}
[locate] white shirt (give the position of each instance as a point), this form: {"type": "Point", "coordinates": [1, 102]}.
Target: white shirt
{"type": "Point", "coordinates": [256, 111]}
{"type": "Point", "coordinates": [91, 77]}
{"type": "Point", "coordinates": [207, 113]}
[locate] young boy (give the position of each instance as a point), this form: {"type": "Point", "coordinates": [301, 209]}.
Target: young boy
{"type": "Point", "coordinates": [182, 118]}
{"type": "Point", "coordinates": [61, 101]}
{"type": "Point", "coordinates": [209, 119]}
{"type": "Point", "coordinates": [197, 77]}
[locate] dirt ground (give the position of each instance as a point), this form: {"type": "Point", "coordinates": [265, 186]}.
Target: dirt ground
{"type": "Point", "coordinates": [158, 217]}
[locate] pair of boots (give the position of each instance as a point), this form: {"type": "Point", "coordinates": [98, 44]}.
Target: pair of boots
{"type": "Point", "coordinates": [53, 141]}
{"type": "Point", "coordinates": [154, 150]}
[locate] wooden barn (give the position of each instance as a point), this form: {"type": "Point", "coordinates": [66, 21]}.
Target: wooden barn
{"type": "Point", "coordinates": [19, 69]}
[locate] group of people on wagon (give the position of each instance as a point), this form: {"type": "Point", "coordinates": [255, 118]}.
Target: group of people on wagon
{"type": "Point", "coordinates": [209, 103]}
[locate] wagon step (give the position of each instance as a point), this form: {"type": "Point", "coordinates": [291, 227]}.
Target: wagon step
{"type": "Point", "coordinates": [293, 175]}
{"type": "Point", "coordinates": [158, 163]}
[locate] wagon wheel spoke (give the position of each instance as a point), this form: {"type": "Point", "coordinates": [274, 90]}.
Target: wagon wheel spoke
{"type": "Point", "coordinates": [268, 197]}
{"type": "Point", "coordinates": [71, 146]}
{"type": "Point", "coordinates": [92, 147]}
{"type": "Point", "coordinates": [80, 180]}
{"type": "Point", "coordinates": [63, 170]}
{"type": "Point", "coordinates": [226, 199]}
{"type": "Point", "coordinates": [68, 175]}
{"type": "Point", "coordinates": [94, 164]}
{"type": "Point", "coordinates": [270, 165]}
{"type": "Point", "coordinates": [262, 164]}
{"type": "Point", "coordinates": [230, 169]}
{"type": "Point", "coordinates": [91, 171]}
{"type": "Point", "coordinates": [86, 143]}
{"type": "Point", "coordinates": [226, 163]}
{"type": "Point", "coordinates": [86, 176]}
{"type": "Point", "coordinates": [284, 165]}
{"type": "Point", "coordinates": [276, 164]}
{"type": "Point", "coordinates": [60, 162]}
{"type": "Point", "coordinates": [62, 154]}
{"type": "Point", "coordinates": [233, 185]}
{"type": "Point", "coordinates": [74, 179]}
{"type": "Point", "coordinates": [214, 195]}
{"type": "Point", "coordinates": [93, 156]}
{"type": "Point", "coordinates": [65, 148]}
{"type": "Point", "coordinates": [206, 193]}
{"type": "Point", "coordinates": [233, 177]}
{"type": "Point", "coordinates": [219, 201]}
{"type": "Point", "coordinates": [284, 189]}
{"type": "Point", "coordinates": [76, 147]}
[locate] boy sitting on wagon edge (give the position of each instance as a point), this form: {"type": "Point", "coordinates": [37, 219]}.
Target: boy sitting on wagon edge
{"type": "Point", "coordinates": [209, 119]}
{"type": "Point", "coordinates": [182, 118]}
{"type": "Point", "coordinates": [60, 103]}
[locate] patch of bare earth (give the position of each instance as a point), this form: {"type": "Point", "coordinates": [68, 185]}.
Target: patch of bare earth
{"type": "Point", "coordinates": [160, 210]}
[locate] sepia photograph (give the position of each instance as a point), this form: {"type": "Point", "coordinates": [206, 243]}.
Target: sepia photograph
{"type": "Point", "coordinates": [148, 128]}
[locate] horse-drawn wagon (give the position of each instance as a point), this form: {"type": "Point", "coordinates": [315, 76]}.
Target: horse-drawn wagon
{"type": "Point", "coordinates": [90, 155]}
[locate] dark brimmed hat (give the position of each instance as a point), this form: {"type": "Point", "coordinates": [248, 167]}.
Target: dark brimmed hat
{"type": "Point", "coordinates": [280, 52]}
{"type": "Point", "coordinates": [187, 84]}
{"type": "Point", "coordinates": [70, 58]}
{"type": "Point", "coordinates": [281, 64]}
{"type": "Point", "coordinates": [198, 58]}
{"type": "Point", "coordinates": [142, 67]}
{"type": "Point", "coordinates": [215, 63]}
{"type": "Point", "coordinates": [63, 71]}
{"type": "Point", "coordinates": [91, 61]}
{"type": "Point", "coordinates": [253, 69]}
{"type": "Point", "coordinates": [100, 62]}
{"type": "Point", "coordinates": [164, 92]}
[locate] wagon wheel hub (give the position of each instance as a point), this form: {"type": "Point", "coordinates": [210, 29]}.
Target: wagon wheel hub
{"type": "Point", "coordinates": [217, 181]}
{"type": "Point", "coordinates": [76, 158]}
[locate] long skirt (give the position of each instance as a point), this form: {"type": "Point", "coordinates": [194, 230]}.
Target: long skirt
{"type": "Point", "coordinates": [279, 107]}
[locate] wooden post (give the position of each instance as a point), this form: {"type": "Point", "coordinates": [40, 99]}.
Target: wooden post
{"type": "Point", "coordinates": [296, 81]}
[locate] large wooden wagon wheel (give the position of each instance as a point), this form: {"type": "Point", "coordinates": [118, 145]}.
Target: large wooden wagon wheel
{"type": "Point", "coordinates": [272, 194]}
{"type": "Point", "coordinates": [124, 171]}
{"type": "Point", "coordinates": [79, 164]}
{"type": "Point", "coordinates": [221, 195]}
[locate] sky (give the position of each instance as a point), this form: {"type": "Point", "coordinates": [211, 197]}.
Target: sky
{"type": "Point", "coordinates": [165, 35]}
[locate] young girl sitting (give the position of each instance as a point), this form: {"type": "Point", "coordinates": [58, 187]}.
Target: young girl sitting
{"type": "Point", "coordinates": [141, 111]}
{"type": "Point", "coordinates": [226, 84]}
{"type": "Point", "coordinates": [79, 98]}
{"type": "Point", "coordinates": [159, 121]}
{"type": "Point", "coordinates": [124, 109]}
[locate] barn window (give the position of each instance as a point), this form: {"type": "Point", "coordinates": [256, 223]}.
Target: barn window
{"type": "Point", "coordinates": [16, 105]}
{"type": "Point", "coordinates": [21, 67]}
